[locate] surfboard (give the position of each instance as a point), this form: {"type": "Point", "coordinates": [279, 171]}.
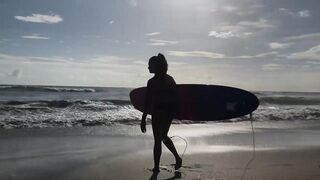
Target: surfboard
{"type": "Point", "coordinates": [200, 102]}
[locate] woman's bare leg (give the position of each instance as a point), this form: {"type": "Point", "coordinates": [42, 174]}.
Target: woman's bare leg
{"type": "Point", "coordinates": [157, 149]}
{"type": "Point", "coordinates": [156, 155]}
{"type": "Point", "coordinates": [168, 142]}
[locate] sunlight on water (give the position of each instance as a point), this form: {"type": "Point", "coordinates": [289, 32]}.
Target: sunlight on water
{"type": "Point", "coordinates": [198, 130]}
{"type": "Point", "coordinates": [216, 149]}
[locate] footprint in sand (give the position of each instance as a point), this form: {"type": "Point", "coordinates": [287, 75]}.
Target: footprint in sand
{"type": "Point", "coordinates": [170, 168]}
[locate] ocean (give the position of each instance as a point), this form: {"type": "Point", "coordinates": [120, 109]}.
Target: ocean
{"type": "Point", "coordinates": [23, 106]}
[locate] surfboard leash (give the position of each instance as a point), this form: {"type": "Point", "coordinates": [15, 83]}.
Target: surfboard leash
{"type": "Point", "coordinates": [253, 134]}
{"type": "Point", "coordinates": [253, 156]}
{"type": "Point", "coordinates": [185, 148]}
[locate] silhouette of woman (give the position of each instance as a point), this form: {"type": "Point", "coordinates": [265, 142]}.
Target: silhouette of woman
{"type": "Point", "coordinates": [160, 101]}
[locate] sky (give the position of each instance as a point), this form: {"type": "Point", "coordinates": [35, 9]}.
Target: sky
{"type": "Point", "coordinates": [258, 45]}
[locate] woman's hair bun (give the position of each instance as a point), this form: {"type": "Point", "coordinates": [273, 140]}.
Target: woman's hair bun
{"type": "Point", "coordinates": [161, 56]}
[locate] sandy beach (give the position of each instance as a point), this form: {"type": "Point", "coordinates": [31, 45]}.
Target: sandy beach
{"type": "Point", "coordinates": [303, 164]}
{"type": "Point", "coordinates": [121, 152]}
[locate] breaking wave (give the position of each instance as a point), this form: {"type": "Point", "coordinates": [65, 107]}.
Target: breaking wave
{"type": "Point", "coordinates": [46, 106]}
{"type": "Point", "coordinates": [63, 113]}
{"type": "Point", "coordinates": [287, 100]}
{"type": "Point", "coordinates": [20, 114]}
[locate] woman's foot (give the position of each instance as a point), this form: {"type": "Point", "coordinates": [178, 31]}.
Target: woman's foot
{"type": "Point", "coordinates": [178, 163]}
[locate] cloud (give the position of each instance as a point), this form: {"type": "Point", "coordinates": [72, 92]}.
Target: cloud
{"type": "Point", "coordinates": [243, 10]}
{"type": "Point", "coordinates": [204, 54]}
{"type": "Point", "coordinates": [214, 55]}
{"type": "Point", "coordinates": [261, 55]}
{"type": "Point", "coordinates": [313, 62]}
{"type": "Point", "coordinates": [111, 22]}
{"type": "Point", "coordinates": [35, 36]}
{"type": "Point", "coordinates": [130, 42]}
{"type": "Point", "coordinates": [312, 36]}
{"type": "Point", "coordinates": [222, 35]}
{"type": "Point", "coordinates": [272, 67]}
{"type": "Point", "coordinates": [140, 62]}
{"type": "Point", "coordinates": [152, 33]}
{"type": "Point", "coordinates": [310, 54]}
{"type": "Point", "coordinates": [230, 8]}
{"type": "Point", "coordinates": [277, 45]}
{"type": "Point", "coordinates": [262, 23]}
{"type": "Point", "coordinates": [306, 39]}
{"type": "Point", "coordinates": [240, 29]}
{"type": "Point", "coordinates": [105, 59]}
{"type": "Point", "coordinates": [40, 18]}
{"type": "Point", "coordinates": [303, 13]}
{"type": "Point", "coordinates": [158, 42]}
{"type": "Point", "coordinates": [286, 11]}
{"type": "Point", "coordinates": [102, 70]}
{"type": "Point", "coordinates": [31, 59]}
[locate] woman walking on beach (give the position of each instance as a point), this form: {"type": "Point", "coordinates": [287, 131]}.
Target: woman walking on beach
{"type": "Point", "coordinates": [160, 101]}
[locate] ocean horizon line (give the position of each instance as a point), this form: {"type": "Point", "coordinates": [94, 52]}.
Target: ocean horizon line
{"type": "Point", "coordinates": [128, 87]}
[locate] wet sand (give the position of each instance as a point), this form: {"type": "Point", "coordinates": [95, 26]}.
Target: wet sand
{"type": "Point", "coordinates": [95, 153]}
{"type": "Point", "coordinates": [276, 165]}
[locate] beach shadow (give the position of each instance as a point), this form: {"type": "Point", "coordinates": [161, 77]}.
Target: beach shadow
{"type": "Point", "coordinates": [177, 175]}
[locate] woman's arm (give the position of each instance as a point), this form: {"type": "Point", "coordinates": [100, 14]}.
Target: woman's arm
{"type": "Point", "coordinates": [147, 105]}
